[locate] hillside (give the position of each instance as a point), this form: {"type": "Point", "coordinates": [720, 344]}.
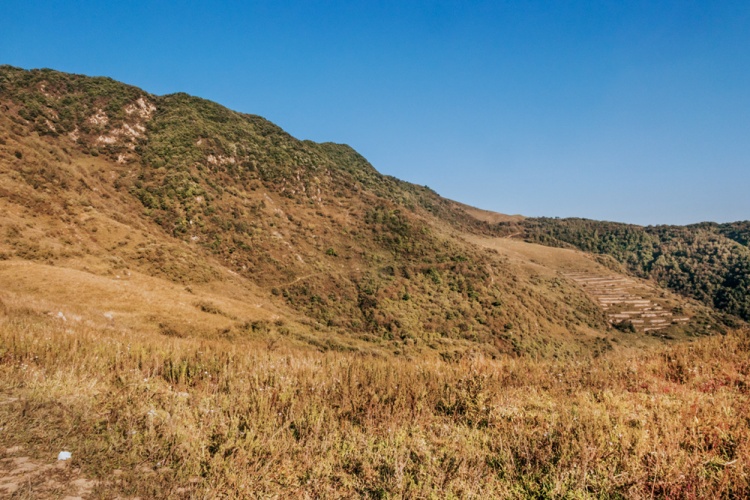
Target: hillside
{"type": "Point", "coordinates": [106, 179]}
{"type": "Point", "coordinates": [628, 303]}
{"type": "Point", "coordinates": [195, 304]}
{"type": "Point", "coordinates": [708, 262]}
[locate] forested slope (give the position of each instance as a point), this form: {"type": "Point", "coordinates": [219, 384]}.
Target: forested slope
{"type": "Point", "coordinates": [709, 262]}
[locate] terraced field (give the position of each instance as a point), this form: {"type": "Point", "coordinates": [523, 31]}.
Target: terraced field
{"type": "Point", "coordinates": [623, 299]}
{"type": "Point", "coordinates": [626, 300]}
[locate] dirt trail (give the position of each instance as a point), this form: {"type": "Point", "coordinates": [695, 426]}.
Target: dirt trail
{"type": "Point", "coordinates": [24, 477]}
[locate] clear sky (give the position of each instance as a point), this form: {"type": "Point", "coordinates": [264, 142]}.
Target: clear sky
{"type": "Point", "coordinates": [634, 111]}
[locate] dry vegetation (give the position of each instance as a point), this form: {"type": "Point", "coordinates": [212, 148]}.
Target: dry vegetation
{"type": "Point", "coordinates": [198, 305]}
{"type": "Point", "coordinates": [157, 416]}
{"type": "Point", "coordinates": [203, 191]}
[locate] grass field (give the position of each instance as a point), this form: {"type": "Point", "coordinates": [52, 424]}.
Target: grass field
{"type": "Point", "coordinates": [150, 415]}
{"type": "Point", "coordinates": [195, 304]}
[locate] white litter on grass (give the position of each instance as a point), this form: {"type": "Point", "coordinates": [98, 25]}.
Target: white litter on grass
{"type": "Point", "coordinates": [64, 455]}
{"type": "Point", "coordinates": [61, 316]}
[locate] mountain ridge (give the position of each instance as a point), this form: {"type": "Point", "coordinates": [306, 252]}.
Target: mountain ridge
{"type": "Point", "coordinates": [189, 190]}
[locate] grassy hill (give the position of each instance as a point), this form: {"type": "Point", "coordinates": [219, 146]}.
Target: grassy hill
{"type": "Point", "coordinates": [196, 304]}
{"type": "Point", "coordinates": [103, 177]}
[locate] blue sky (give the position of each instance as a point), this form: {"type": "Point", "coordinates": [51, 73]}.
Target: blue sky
{"type": "Point", "coordinates": [618, 110]}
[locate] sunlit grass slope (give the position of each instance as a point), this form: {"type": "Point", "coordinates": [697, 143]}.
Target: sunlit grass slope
{"type": "Point", "coordinates": [153, 416]}
{"type": "Point", "coordinates": [196, 304]}
{"type": "Point", "coordinates": [106, 179]}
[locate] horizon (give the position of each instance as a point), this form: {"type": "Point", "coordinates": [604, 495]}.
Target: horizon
{"type": "Point", "coordinates": [636, 114]}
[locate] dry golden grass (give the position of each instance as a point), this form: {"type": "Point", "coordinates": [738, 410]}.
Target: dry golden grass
{"type": "Point", "coordinates": [157, 416]}
{"type": "Point", "coordinates": [489, 216]}
{"type": "Point", "coordinates": [132, 300]}
{"type": "Point", "coordinates": [293, 324]}
{"type": "Point", "coordinates": [539, 258]}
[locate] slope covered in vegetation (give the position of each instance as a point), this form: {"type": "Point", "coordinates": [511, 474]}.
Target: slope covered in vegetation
{"type": "Point", "coordinates": [160, 417]}
{"type": "Point", "coordinates": [188, 190]}
{"type": "Point", "coordinates": [197, 305]}
{"type": "Point", "coordinates": [709, 262]}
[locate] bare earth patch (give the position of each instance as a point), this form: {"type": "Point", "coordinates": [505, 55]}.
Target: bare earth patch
{"type": "Point", "coordinates": [24, 477]}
